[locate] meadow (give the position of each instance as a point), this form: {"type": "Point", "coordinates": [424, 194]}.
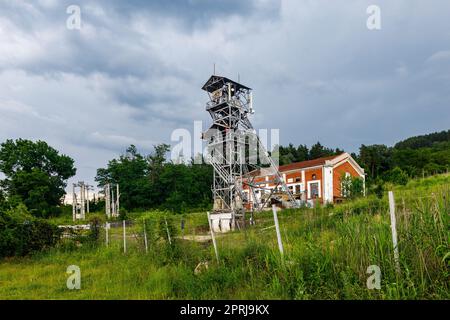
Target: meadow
{"type": "Point", "coordinates": [327, 251]}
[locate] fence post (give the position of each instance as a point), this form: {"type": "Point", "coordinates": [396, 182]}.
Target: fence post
{"type": "Point", "coordinates": [124, 237]}
{"type": "Point", "coordinates": [182, 228]}
{"type": "Point", "coordinates": [107, 234]}
{"type": "Point", "coordinates": [168, 233]}
{"type": "Point", "coordinates": [277, 228]}
{"type": "Point", "coordinates": [394, 230]}
{"type": "Point", "coordinates": [145, 239]}
{"type": "Point", "coordinates": [213, 238]}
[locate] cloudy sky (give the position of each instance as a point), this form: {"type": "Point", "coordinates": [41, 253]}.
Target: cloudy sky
{"type": "Point", "coordinates": [132, 73]}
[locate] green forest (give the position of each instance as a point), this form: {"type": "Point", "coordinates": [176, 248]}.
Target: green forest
{"type": "Point", "coordinates": [35, 174]}
{"type": "Point", "coordinates": [414, 157]}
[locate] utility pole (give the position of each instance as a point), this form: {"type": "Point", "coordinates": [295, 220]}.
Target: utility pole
{"type": "Point", "coordinates": [81, 206]}
{"type": "Point", "coordinates": [87, 197]}
{"type": "Point", "coordinates": [82, 199]}
{"type": "Point", "coordinates": [74, 203]}
{"type": "Point", "coordinates": [118, 196]}
{"type": "Point", "coordinates": [111, 201]}
{"type": "Point", "coordinates": [113, 206]}
{"type": "Point", "coordinates": [107, 201]}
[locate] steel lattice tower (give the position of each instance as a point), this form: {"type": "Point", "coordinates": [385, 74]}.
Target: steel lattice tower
{"type": "Point", "coordinates": [237, 155]}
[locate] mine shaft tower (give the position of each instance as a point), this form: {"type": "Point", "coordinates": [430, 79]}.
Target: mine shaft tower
{"type": "Point", "coordinates": [237, 155]}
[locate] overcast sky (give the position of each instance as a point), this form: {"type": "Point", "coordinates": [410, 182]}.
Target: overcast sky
{"type": "Point", "coordinates": [133, 72]}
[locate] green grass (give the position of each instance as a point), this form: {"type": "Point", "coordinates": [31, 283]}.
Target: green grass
{"type": "Point", "coordinates": [327, 252]}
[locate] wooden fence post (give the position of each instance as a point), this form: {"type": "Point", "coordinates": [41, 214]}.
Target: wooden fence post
{"type": "Point", "coordinates": [394, 230]}
{"type": "Point", "coordinates": [182, 228]}
{"type": "Point", "coordinates": [145, 239]}
{"type": "Point", "coordinates": [277, 228]}
{"type": "Point", "coordinates": [107, 234]}
{"type": "Point", "coordinates": [213, 238]}
{"type": "Point", "coordinates": [124, 237]}
{"type": "Point", "coordinates": [168, 233]}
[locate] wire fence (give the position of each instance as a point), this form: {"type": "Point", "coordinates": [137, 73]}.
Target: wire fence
{"type": "Point", "coordinates": [281, 232]}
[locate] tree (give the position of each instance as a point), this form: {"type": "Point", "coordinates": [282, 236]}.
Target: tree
{"type": "Point", "coordinates": [292, 154]}
{"type": "Point", "coordinates": [130, 171]}
{"type": "Point", "coordinates": [186, 186]}
{"type": "Point", "coordinates": [3, 204]}
{"type": "Point", "coordinates": [36, 174]}
{"type": "Point", "coordinates": [375, 159]}
{"type": "Point", "coordinates": [302, 152]}
{"type": "Point", "coordinates": [157, 159]}
{"type": "Point", "coordinates": [351, 187]}
{"type": "Point", "coordinates": [425, 154]}
{"type": "Point", "coordinates": [396, 176]}
{"type": "Point", "coordinates": [424, 141]}
{"type": "Point", "coordinates": [319, 151]}
{"type": "Point", "coordinates": [153, 182]}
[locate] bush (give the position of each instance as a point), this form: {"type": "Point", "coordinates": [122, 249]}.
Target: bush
{"type": "Point", "coordinates": [123, 214]}
{"type": "Point", "coordinates": [22, 234]}
{"type": "Point", "coordinates": [352, 187]}
{"type": "Point", "coordinates": [397, 176]}
{"type": "Point", "coordinates": [369, 205]}
{"type": "Point", "coordinates": [95, 223]}
{"type": "Point", "coordinates": [166, 228]}
{"type": "Point", "coordinates": [377, 188]}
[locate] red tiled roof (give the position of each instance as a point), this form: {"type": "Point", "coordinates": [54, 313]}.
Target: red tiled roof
{"type": "Point", "coordinates": [299, 165]}
{"type": "Point", "coordinates": [305, 164]}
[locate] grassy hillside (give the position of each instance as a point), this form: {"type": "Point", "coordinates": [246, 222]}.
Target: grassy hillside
{"type": "Point", "coordinates": [327, 252]}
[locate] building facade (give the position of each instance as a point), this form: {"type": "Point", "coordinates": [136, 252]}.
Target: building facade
{"type": "Point", "coordinates": [313, 180]}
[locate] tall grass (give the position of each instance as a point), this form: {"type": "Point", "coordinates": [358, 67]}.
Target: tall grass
{"type": "Point", "coordinates": [327, 253]}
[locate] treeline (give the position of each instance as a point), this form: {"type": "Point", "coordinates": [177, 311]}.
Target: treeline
{"type": "Point", "coordinates": [292, 154]}
{"type": "Point", "coordinates": [411, 158]}
{"type": "Point", "coordinates": [154, 182]}
{"type": "Point", "coordinates": [424, 141]}
{"type": "Point", "coordinates": [34, 178]}
{"type": "Point", "coordinates": [35, 174]}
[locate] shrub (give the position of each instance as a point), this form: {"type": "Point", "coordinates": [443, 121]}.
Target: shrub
{"type": "Point", "coordinates": [377, 187]}
{"type": "Point", "coordinates": [397, 176]}
{"type": "Point", "coordinates": [123, 214]}
{"type": "Point", "coordinates": [95, 223]}
{"type": "Point", "coordinates": [166, 228]}
{"type": "Point", "coordinates": [22, 234]}
{"type": "Point", "coordinates": [370, 205]}
{"type": "Point", "coordinates": [351, 187]}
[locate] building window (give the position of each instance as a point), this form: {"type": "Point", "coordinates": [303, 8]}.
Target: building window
{"type": "Point", "coordinates": [297, 188]}
{"type": "Point", "coordinates": [298, 179]}
{"type": "Point", "coordinates": [314, 190]}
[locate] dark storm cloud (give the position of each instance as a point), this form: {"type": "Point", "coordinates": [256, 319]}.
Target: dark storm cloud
{"type": "Point", "coordinates": [193, 11]}
{"type": "Point", "coordinates": [133, 73]}
{"type": "Point", "coordinates": [111, 20]}
{"type": "Point", "coordinates": [189, 14]}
